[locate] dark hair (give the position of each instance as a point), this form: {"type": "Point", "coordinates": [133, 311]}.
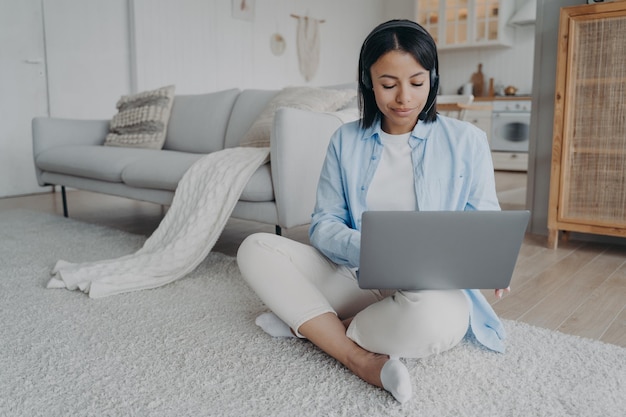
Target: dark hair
{"type": "Point", "coordinates": [397, 35]}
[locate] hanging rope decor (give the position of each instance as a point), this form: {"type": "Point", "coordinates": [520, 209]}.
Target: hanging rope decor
{"type": "Point", "coordinates": [308, 41]}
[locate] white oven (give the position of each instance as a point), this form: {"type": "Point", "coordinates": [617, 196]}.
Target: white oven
{"type": "Point", "coordinates": [510, 126]}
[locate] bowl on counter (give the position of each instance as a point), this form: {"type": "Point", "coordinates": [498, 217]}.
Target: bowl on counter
{"type": "Point", "coordinates": [510, 91]}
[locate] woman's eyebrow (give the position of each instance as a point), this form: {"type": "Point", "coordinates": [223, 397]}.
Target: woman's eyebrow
{"type": "Point", "coordinates": [393, 77]}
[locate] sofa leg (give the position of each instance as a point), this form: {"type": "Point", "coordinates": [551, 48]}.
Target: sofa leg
{"type": "Point", "coordinates": [279, 231]}
{"type": "Point", "coordinates": [64, 198]}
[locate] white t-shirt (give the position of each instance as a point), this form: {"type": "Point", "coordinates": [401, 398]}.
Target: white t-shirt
{"type": "Point", "coordinates": [392, 187]}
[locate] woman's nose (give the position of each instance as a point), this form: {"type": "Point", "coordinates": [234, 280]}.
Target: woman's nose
{"type": "Point", "coordinates": [402, 96]}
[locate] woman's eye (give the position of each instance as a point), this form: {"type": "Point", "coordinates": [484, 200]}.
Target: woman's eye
{"type": "Point", "coordinates": [389, 87]}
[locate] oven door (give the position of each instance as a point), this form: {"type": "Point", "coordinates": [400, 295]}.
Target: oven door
{"type": "Point", "coordinates": [510, 132]}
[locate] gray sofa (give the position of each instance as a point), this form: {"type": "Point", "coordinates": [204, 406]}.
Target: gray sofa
{"type": "Point", "coordinates": [69, 153]}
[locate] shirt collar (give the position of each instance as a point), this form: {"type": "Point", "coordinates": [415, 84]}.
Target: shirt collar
{"type": "Point", "coordinates": [420, 131]}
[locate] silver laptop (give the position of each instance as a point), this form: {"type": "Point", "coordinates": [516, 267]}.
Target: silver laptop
{"type": "Point", "coordinates": [422, 250]}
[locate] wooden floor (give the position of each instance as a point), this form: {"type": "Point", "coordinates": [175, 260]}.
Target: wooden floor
{"type": "Point", "coordinates": [579, 288]}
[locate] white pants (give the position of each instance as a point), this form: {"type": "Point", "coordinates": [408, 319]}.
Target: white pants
{"type": "Point", "coordinates": [298, 283]}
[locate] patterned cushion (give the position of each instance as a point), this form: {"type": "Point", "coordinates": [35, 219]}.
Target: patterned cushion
{"type": "Point", "coordinates": [304, 98]}
{"type": "Point", "coordinates": [141, 121]}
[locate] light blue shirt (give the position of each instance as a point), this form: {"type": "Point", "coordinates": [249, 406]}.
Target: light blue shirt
{"type": "Point", "coordinates": [452, 170]}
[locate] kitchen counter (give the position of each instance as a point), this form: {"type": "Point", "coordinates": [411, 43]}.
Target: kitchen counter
{"type": "Point", "coordinates": [502, 98]}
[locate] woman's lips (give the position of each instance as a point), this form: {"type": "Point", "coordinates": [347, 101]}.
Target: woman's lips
{"type": "Point", "coordinates": [403, 112]}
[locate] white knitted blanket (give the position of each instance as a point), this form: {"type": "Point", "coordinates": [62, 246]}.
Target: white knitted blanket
{"type": "Point", "coordinates": [203, 201]}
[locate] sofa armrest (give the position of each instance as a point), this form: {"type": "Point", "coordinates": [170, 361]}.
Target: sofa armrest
{"type": "Point", "coordinates": [298, 147]}
{"type": "Point", "coordinates": [50, 132]}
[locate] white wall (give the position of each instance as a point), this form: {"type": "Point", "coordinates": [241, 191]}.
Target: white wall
{"type": "Point", "coordinates": [507, 66]}
{"type": "Point", "coordinates": [87, 55]}
{"type": "Point", "coordinates": [200, 47]}
{"type": "Point", "coordinates": [101, 49]}
{"type": "Point", "coordinates": [400, 9]}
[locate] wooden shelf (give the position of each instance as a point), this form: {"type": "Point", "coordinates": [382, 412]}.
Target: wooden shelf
{"type": "Point", "coordinates": [596, 151]}
{"type": "Point", "coordinates": [596, 81]}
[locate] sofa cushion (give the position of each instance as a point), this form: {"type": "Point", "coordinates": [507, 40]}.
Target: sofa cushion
{"type": "Point", "coordinates": [198, 122]}
{"type": "Point", "coordinates": [163, 170]}
{"type": "Point", "coordinates": [304, 98]}
{"type": "Point", "coordinates": [142, 119]}
{"type": "Point", "coordinates": [98, 162]}
{"type": "Point", "coordinates": [259, 186]}
{"type": "Point", "coordinates": [248, 106]}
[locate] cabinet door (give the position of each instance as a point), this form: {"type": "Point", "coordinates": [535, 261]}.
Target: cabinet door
{"type": "Point", "coordinates": [487, 13]}
{"type": "Point", "coordinates": [593, 154]}
{"type": "Point", "coordinates": [466, 23]}
{"type": "Point", "coordinates": [457, 18]}
{"type": "Point", "coordinates": [480, 119]}
{"type": "Point", "coordinates": [428, 12]}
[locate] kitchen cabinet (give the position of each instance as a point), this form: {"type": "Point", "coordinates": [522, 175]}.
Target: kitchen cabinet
{"type": "Point", "coordinates": [480, 116]}
{"type": "Point", "coordinates": [458, 24]}
{"type": "Point", "coordinates": [510, 133]}
{"type": "Point", "coordinates": [588, 173]}
{"type": "Point", "coordinates": [510, 161]}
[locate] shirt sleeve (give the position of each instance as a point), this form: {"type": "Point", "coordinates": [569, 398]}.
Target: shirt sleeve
{"type": "Point", "coordinates": [484, 323]}
{"type": "Point", "coordinates": [332, 231]}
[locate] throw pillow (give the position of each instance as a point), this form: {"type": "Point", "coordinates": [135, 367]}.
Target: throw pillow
{"type": "Point", "coordinates": [141, 121]}
{"type": "Point", "coordinates": [305, 98]}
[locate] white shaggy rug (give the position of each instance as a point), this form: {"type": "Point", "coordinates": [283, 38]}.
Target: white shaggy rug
{"type": "Point", "coordinates": [191, 348]}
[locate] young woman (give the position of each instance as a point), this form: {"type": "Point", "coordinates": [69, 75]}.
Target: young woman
{"type": "Point", "coordinates": [401, 155]}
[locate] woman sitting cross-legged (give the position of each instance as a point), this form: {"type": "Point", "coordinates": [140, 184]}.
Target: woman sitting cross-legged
{"type": "Point", "coordinates": [401, 155]}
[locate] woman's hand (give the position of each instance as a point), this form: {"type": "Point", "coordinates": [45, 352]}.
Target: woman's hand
{"type": "Point", "coordinates": [500, 292]}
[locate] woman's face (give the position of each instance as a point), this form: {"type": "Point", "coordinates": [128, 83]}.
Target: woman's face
{"type": "Point", "coordinates": [401, 86]}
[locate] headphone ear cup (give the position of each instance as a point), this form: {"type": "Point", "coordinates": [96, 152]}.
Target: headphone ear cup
{"type": "Point", "coordinates": [432, 95]}
{"type": "Point", "coordinates": [434, 81]}
{"type": "Point", "coordinates": [434, 84]}
{"type": "Point", "coordinates": [366, 80]}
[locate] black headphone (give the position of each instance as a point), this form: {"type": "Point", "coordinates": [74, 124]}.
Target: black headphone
{"type": "Point", "coordinates": [434, 77]}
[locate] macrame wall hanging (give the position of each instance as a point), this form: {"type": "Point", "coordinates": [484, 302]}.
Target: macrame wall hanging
{"type": "Point", "coordinates": [243, 9]}
{"type": "Point", "coordinates": [308, 41]}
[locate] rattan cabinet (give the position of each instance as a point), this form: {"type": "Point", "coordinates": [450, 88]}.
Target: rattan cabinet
{"type": "Point", "coordinates": [588, 178]}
